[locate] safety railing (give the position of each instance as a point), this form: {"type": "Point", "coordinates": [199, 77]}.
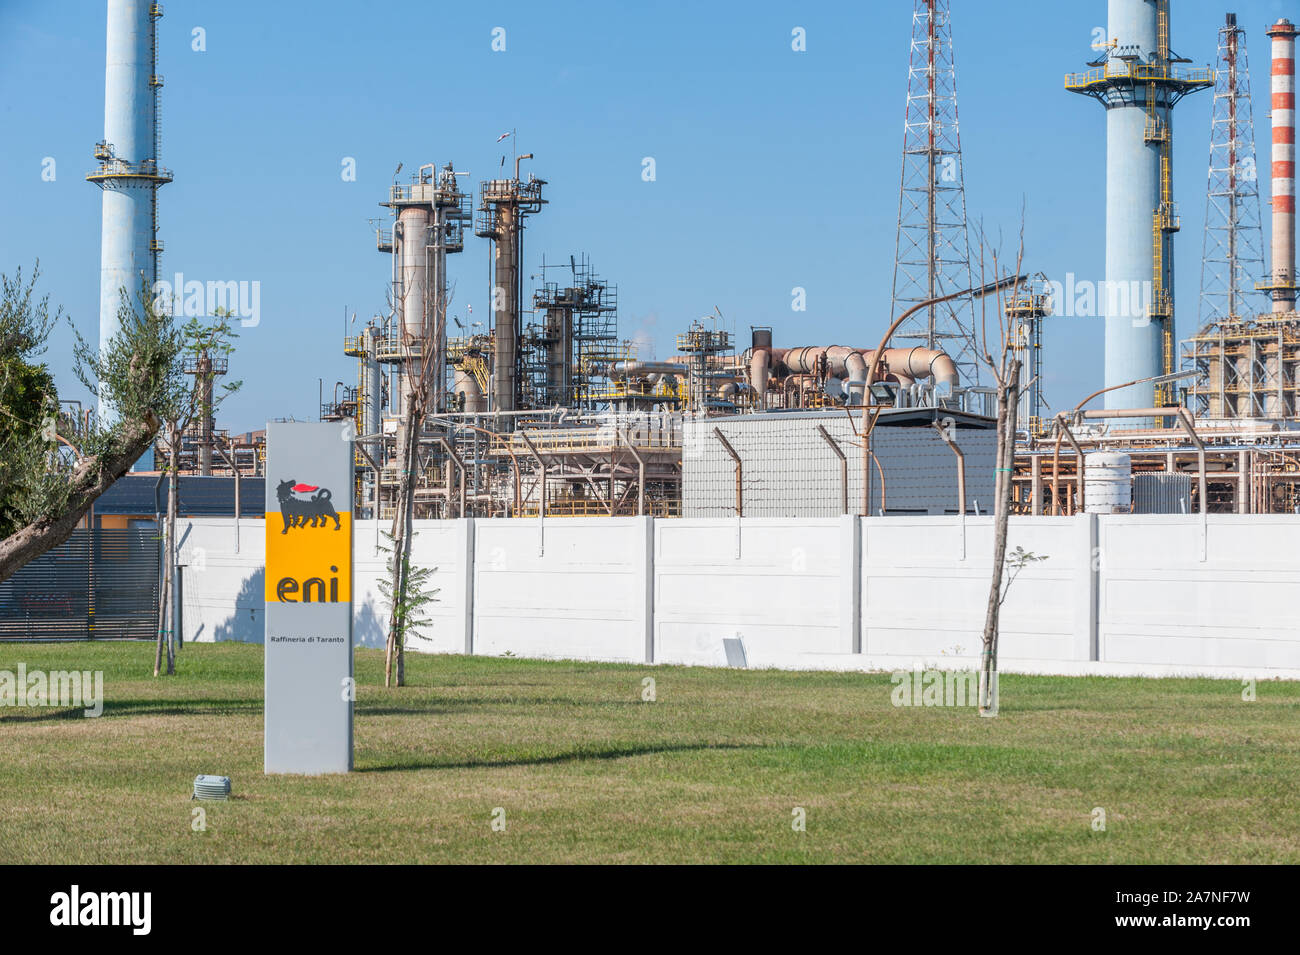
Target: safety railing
{"type": "Point", "coordinates": [1145, 72]}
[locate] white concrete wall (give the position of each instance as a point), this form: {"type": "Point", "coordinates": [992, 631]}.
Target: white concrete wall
{"type": "Point", "coordinates": [1140, 594]}
{"type": "Point", "coordinates": [783, 586]}
{"type": "Point", "coordinates": [1224, 593]}
{"type": "Point", "coordinates": [223, 579]}
{"type": "Point", "coordinates": [925, 587]}
{"type": "Point", "coordinates": [575, 587]}
{"type": "Point", "coordinates": [445, 546]}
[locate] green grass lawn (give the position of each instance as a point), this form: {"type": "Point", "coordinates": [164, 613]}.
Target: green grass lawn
{"type": "Point", "coordinates": [710, 772]}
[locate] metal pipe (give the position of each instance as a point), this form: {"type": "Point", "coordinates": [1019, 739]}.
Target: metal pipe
{"type": "Point", "coordinates": [881, 471]}
{"type": "Point", "coordinates": [1064, 430]}
{"type": "Point", "coordinates": [375, 504]}
{"type": "Point", "coordinates": [621, 369]}
{"type": "Point", "coordinates": [235, 471]}
{"type": "Point", "coordinates": [542, 464]}
{"type": "Point", "coordinates": [869, 424]}
{"type": "Point", "coordinates": [844, 470]}
{"type": "Point", "coordinates": [1189, 426]}
{"type": "Point", "coordinates": [1036, 486]}
{"type": "Point", "coordinates": [961, 466]}
{"type": "Point", "coordinates": [460, 467]}
{"type": "Point", "coordinates": [1166, 411]}
{"type": "Point", "coordinates": [740, 493]}
{"type": "Point", "coordinates": [640, 472]}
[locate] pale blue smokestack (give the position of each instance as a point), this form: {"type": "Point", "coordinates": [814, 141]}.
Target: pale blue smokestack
{"type": "Point", "coordinates": [1136, 81]}
{"type": "Point", "coordinates": [128, 172]}
{"type": "Point", "coordinates": [1134, 348]}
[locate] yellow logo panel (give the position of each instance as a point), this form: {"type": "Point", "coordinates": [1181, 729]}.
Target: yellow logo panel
{"type": "Point", "coordinates": [308, 564]}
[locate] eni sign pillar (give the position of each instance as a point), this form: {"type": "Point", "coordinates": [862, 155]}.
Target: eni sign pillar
{"type": "Point", "coordinates": [308, 643]}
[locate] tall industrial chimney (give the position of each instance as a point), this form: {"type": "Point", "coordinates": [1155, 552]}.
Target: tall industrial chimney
{"type": "Point", "coordinates": [129, 172]}
{"type": "Point", "coordinates": [1137, 83]}
{"type": "Point", "coordinates": [1283, 280]}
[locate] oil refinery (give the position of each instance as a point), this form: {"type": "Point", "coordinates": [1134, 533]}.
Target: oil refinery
{"type": "Point", "coordinates": [677, 483]}
{"type": "Point", "coordinates": [549, 410]}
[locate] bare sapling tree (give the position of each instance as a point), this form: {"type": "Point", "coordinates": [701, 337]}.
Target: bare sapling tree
{"type": "Point", "coordinates": [55, 469]}
{"type": "Point", "coordinates": [205, 344]}
{"type": "Point", "coordinates": [1004, 363]}
{"type": "Point", "coordinates": [419, 388]}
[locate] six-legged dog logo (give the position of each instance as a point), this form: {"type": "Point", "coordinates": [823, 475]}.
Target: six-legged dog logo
{"type": "Point", "coordinates": [300, 502]}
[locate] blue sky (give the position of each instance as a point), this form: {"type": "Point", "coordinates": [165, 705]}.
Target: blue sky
{"type": "Point", "coordinates": [774, 169]}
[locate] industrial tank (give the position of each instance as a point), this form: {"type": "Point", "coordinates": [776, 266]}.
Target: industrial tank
{"type": "Point", "coordinates": [1107, 483]}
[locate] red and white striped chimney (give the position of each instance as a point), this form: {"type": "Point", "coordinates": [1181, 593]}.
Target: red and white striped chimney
{"type": "Point", "coordinates": [1283, 34]}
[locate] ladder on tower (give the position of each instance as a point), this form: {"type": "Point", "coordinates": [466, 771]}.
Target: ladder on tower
{"type": "Point", "coordinates": [155, 87]}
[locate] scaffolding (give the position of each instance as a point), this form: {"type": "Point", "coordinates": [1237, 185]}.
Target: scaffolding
{"type": "Point", "coordinates": [709, 352]}
{"type": "Point", "coordinates": [565, 353]}
{"type": "Point", "coordinates": [1026, 310]}
{"type": "Point", "coordinates": [201, 435]}
{"type": "Point", "coordinates": [1246, 369]}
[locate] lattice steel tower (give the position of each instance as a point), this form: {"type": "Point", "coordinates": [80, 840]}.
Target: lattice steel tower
{"type": "Point", "coordinates": [1233, 258]}
{"type": "Point", "coordinates": [932, 254]}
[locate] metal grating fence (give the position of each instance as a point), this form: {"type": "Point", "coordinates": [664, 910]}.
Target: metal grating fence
{"type": "Point", "coordinates": [100, 584]}
{"type": "Point", "coordinates": [789, 470]}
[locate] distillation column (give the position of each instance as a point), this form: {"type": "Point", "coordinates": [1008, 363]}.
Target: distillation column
{"type": "Point", "coordinates": [411, 236]}
{"type": "Point", "coordinates": [504, 204]}
{"type": "Point", "coordinates": [430, 215]}
{"type": "Point", "coordinates": [505, 310]}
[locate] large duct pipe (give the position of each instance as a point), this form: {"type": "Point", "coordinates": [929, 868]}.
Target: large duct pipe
{"type": "Point", "coordinates": [903, 365]}
{"type": "Point", "coordinates": [918, 362]}
{"type": "Point", "coordinates": [1283, 285]}
{"type": "Point", "coordinates": [640, 369]}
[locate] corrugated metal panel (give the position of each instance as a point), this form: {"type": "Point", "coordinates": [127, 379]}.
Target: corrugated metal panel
{"type": "Point", "coordinates": [199, 496]}
{"type": "Point", "coordinates": [97, 584]}
{"type": "Point", "coordinates": [1162, 493]}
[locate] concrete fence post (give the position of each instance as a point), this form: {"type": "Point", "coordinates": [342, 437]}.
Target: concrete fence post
{"type": "Point", "coordinates": [645, 549]}
{"type": "Point", "coordinates": [851, 582]}
{"type": "Point", "coordinates": [1087, 588]}
{"type": "Point", "coordinates": [467, 530]}
{"type": "Point", "coordinates": [860, 550]}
